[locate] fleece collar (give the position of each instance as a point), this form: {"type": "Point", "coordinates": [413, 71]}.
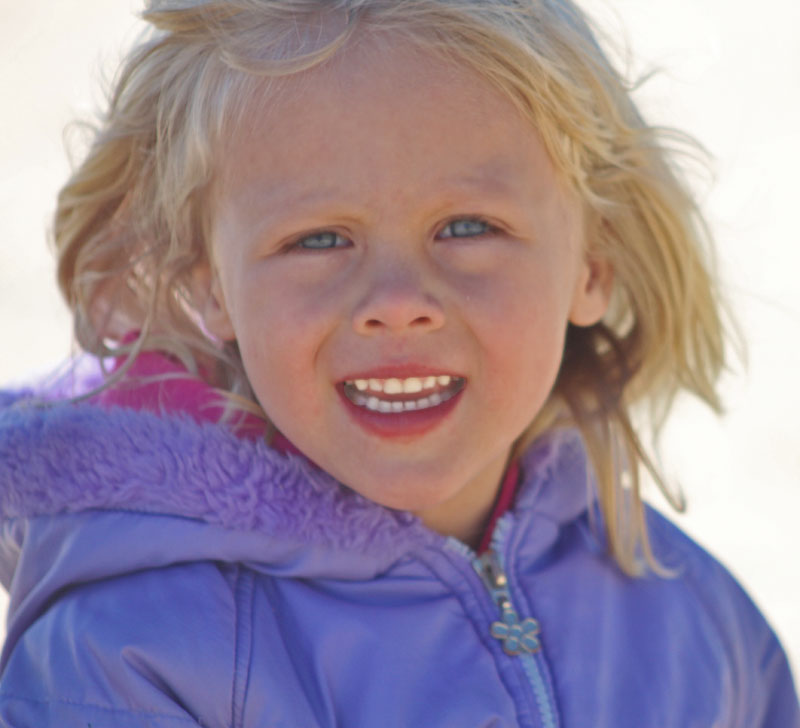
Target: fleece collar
{"type": "Point", "coordinates": [63, 459]}
{"type": "Point", "coordinates": [156, 448]}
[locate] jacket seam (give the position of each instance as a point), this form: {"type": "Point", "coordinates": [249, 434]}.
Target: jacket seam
{"type": "Point", "coordinates": [97, 706]}
{"type": "Point", "coordinates": [244, 595]}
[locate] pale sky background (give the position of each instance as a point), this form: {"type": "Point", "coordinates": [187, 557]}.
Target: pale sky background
{"type": "Point", "coordinates": [730, 75]}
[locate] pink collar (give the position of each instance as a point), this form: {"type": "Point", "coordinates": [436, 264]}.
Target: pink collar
{"type": "Point", "coordinates": [505, 499]}
{"type": "Point", "coordinates": [159, 383]}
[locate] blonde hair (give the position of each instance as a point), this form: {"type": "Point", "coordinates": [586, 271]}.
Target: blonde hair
{"type": "Point", "coordinates": [132, 222]}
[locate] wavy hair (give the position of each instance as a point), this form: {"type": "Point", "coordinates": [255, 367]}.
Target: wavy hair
{"type": "Point", "coordinates": [132, 222]}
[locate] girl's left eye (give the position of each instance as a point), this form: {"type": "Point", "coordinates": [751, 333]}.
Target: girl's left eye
{"type": "Point", "coordinates": [323, 240]}
{"type": "Point", "coordinates": [466, 228]}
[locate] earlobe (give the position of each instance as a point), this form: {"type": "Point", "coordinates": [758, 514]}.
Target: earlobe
{"type": "Point", "coordinates": [211, 303]}
{"type": "Point", "coordinates": [593, 291]}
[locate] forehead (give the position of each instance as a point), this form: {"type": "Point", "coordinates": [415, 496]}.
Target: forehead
{"type": "Point", "coordinates": [373, 64]}
{"type": "Point", "coordinates": [379, 107]}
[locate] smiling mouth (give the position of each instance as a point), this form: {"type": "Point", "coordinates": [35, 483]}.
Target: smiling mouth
{"type": "Point", "coordinates": [394, 395]}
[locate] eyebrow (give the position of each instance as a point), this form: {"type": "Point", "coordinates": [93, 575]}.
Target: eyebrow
{"type": "Point", "coordinates": [494, 183]}
{"type": "Point", "coordinates": [495, 180]}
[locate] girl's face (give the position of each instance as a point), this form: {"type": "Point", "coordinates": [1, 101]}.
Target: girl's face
{"type": "Point", "coordinates": [398, 262]}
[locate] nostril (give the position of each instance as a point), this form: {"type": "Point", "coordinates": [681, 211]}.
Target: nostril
{"type": "Point", "coordinates": [375, 323]}
{"type": "Point", "coordinates": [397, 309]}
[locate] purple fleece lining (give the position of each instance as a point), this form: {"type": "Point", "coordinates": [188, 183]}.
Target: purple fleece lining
{"type": "Point", "coordinates": [73, 458]}
{"type": "Point", "coordinates": [64, 458]}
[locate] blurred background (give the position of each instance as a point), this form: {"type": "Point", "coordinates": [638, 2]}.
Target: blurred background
{"type": "Point", "coordinates": [727, 72]}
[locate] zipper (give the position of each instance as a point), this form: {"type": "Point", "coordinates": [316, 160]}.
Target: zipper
{"type": "Point", "coordinates": [519, 637]}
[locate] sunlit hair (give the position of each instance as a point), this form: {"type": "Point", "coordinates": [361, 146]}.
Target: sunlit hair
{"type": "Point", "coordinates": [132, 223]}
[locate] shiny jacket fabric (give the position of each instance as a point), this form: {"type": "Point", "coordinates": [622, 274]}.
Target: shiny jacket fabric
{"type": "Point", "coordinates": [166, 573]}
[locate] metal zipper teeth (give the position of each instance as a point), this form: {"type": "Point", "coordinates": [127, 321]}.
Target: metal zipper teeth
{"type": "Point", "coordinates": [522, 642]}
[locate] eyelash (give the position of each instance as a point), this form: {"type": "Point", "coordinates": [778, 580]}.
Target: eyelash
{"type": "Point", "coordinates": [462, 221]}
{"type": "Point", "coordinates": [487, 228]}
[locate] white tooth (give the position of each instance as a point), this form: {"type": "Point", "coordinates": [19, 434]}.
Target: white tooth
{"type": "Point", "coordinates": [360, 401]}
{"type": "Point", "coordinates": [429, 383]}
{"type": "Point", "coordinates": [384, 406]}
{"type": "Point", "coordinates": [361, 385]}
{"type": "Point", "coordinates": [423, 403]}
{"type": "Point", "coordinates": [412, 385]}
{"type": "Point", "coordinates": [397, 407]}
{"type": "Point", "coordinates": [411, 405]}
{"type": "Point", "coordinates": [393, 386]}
{"type": "Point", "coordinates": [435, 399]}
{"type": "Point", "coordinates": [376, 385]}
{"type": "Point", "coordinates": [373, 403]}
{"type": "Point", "coordinates": [444, 380]}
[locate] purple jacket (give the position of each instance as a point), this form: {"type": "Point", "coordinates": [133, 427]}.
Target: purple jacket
{"type": "Point", "coordinates": [168, 573]}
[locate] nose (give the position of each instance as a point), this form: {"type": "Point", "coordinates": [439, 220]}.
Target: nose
{"type": "Point", "coordinates": [397, 300]}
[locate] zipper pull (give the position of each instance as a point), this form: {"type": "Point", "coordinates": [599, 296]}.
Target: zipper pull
{"type": "Point", "coordinates": [517, 637]}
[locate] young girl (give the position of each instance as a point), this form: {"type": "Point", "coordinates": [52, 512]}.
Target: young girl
{"type": "Point", "coordinates": [374, 289]}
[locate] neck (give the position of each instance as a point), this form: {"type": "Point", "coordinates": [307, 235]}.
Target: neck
{"type": "Point", "coordinates": [466, 515]}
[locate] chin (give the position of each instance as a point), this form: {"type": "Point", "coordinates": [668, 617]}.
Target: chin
{"type": "Point", "coordinates": [420, 498]}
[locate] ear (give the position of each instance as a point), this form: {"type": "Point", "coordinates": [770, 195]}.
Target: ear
{"type": "Point", "coordinates": [211, 302]}
{"type": "Point", "coordinates": [592, 292]}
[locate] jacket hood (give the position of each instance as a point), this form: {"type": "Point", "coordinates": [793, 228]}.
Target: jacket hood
{"type": "Point", "coordinates": [90, 492]}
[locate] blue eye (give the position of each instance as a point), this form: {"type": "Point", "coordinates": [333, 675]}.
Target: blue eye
{"type": "Point", "coordinates": [466, 228]}
{"type": "Point", "coordinates": [324, 240]}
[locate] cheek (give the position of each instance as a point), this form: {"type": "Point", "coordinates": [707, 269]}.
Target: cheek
{"type": "Point", "coordinates": [272, 313]}
{"type": "Point", "coordinates": [280, 333]}
{"type": "Point", "coordinates": [521, 326]}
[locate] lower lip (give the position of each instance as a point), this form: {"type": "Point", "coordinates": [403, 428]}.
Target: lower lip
{"type": "Point", "coordinates": [401, 424]}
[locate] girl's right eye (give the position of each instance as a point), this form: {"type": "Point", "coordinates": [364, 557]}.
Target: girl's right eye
{"type": "Point", "coordinates": [323, 240]}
